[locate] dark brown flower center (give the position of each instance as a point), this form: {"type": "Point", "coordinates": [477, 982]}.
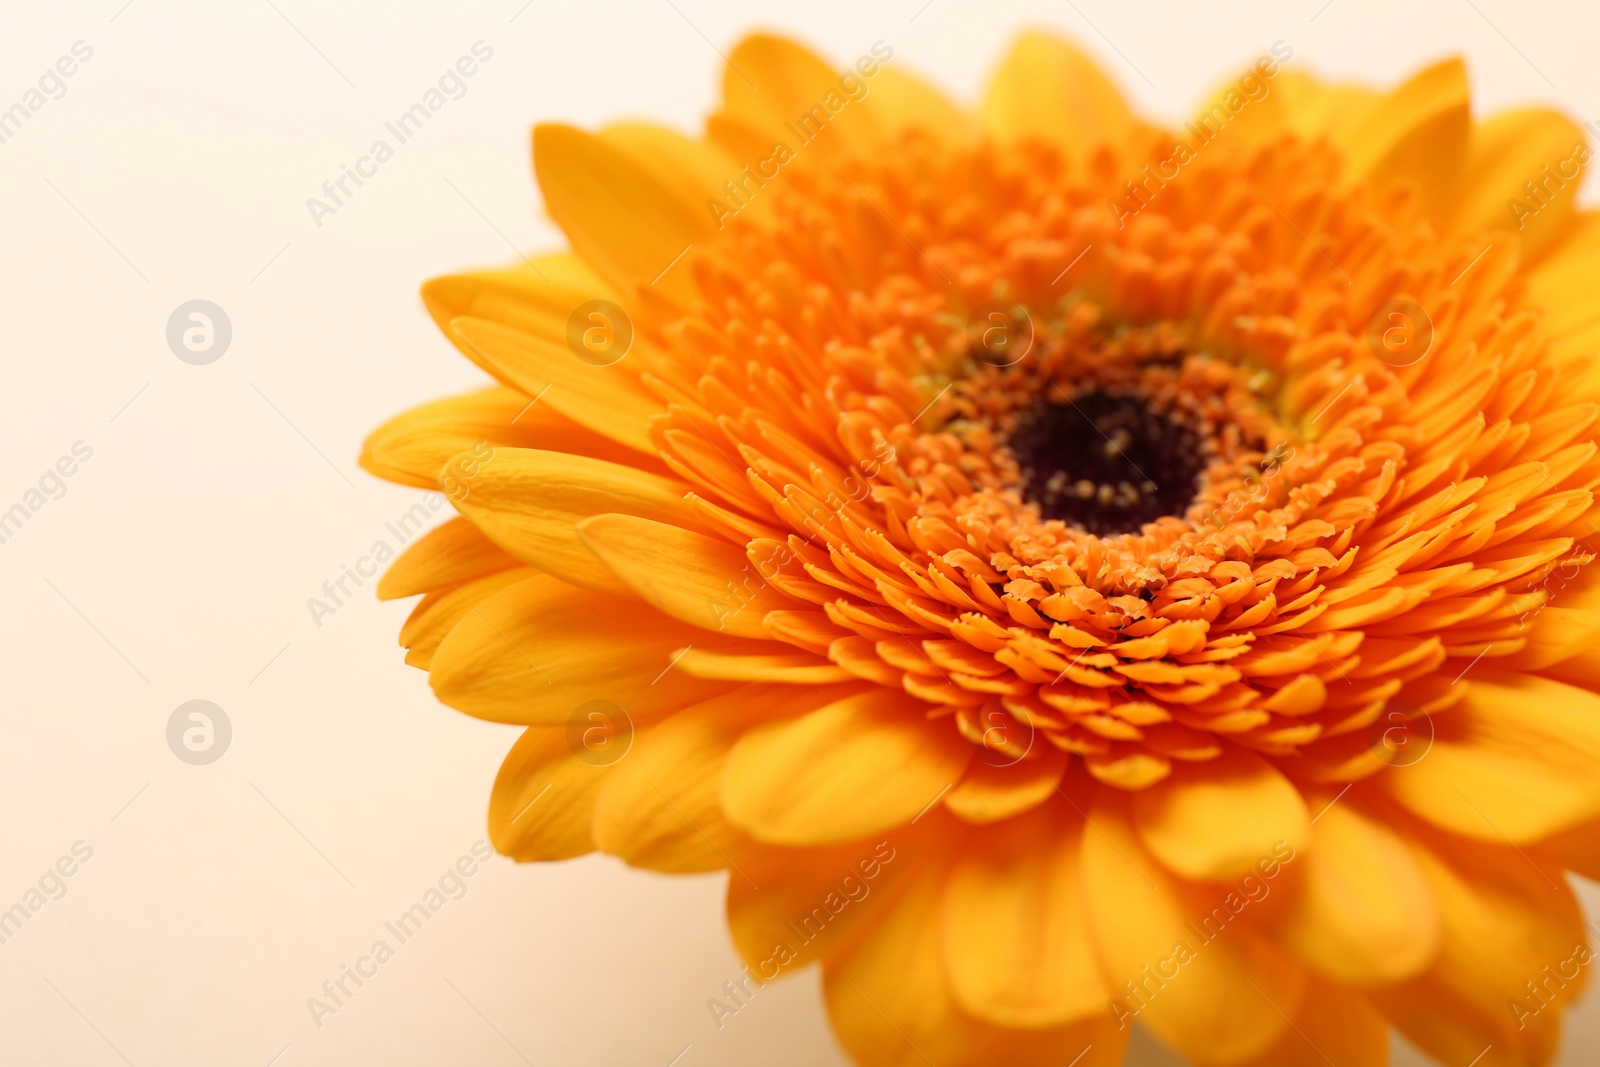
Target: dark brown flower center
{"type": "Point", "coordinates": [1107, 462]}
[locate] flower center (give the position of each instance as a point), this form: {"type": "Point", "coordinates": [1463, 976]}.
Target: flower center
{"type": "Point", "coordinates": [1107, 461]}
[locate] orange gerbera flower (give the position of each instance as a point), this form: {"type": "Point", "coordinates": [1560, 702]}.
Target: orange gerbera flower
{"type": "Point", "coordinates": [1070, 572]}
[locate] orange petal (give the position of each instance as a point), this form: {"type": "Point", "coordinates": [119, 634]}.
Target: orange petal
{"type": "Point", "coordinates": [604, 399]}
{"type": "Point", "coordinates": [1448, 1028]}
{"type": "Point", "coordinates": [1506, 918]}
{"type": "Point", "coordinates": [784, 668]}
{"type": "Point", "coordinates": [901, 101]}
{"type": "Point", "coordinates": [822, 778]}
{"type": "Point", "coordinates": [1508, 150]}
{"type": "Point", "coordinates": [1561, 283]}
{"type": "Point", "coordinates": [661, 807]}
{"type": "Point", "coordinates": [530, 501]}
{"type": "Point", "coordinates": [1048, 89]}
{"type": "Point", "coordinates": [1016, 944]}
{"type": "Point", "coordinates": [791, 907]}
{"type": "Point", "coordinates": [621, 216]}
{"type": "Point", "coordinates": [1217, 819]}
{"type": "Point", "coordinates": [543, 798]}
{"type": "Point", "coordinates": [436, 614]}
{"type": "Point", "coordinates": [890, 1004]}
{"type": "Point", "coordinates": [1419, 131]}
{"type": "Point", "coordinates": [536, 296]}
{"type": "Point", "coordinates": [455, 551]}
{"type": "Point", "coordinates": [536, 651]}
{"type": "Point", "coordinates": [1513, 760]}
{"type": "Point", "coordinates": [1200, 986]}
{"type": "Point", "coordinates": [799, 96]}
{"type": "Point", "coordinates": [989, 792]}
{"type": "Point", "coordinates": [1334, 1026]}
{"type": "Point", "coordinates": [1364, 914]}
{"type": "Point", "coordinates": [693, 170]}
{"type": "Point", "coordinates": [704, 581]}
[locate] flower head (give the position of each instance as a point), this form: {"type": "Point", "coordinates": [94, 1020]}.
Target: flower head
{"type": "Point", "coordinates": [1068, 571]}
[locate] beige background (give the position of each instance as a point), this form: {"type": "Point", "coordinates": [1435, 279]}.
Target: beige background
{"type": "Point", "coordinates": [219, 498]}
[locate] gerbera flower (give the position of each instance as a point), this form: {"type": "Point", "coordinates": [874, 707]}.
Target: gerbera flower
{"type": "Point", "coordinates": [1069, 572]}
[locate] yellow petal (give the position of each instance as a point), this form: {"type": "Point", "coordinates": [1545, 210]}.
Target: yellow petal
{"type": "Point", "coordinates": [800, 905]}
{"type": "Point", "coordinates": [1505, 919]}
{"type": "Point", "coordinates": [543, 798]}
{"type": "Point", "coordinates": [413, 447]}
{"type": "Point", "coordinates": [1364, 914]}
{"type": "Point", "coordinates": [1263, 103]}
{"type": "Point", "coordinates": [454, 552]}
{"type": "Point", "coordinates": [1334, 1026]}
{"type": "Point", "coordinates": [704, 581]}
{"type": "Point", "coordinates": [1563, 282]}
{"type": "Point", "coordinates": [1217, 819]}
{"type": "Point", "coordinates": [1577, 849]}
{"type": "Point", "coordinates": [989, 792]}
{"type": "Point", "coordinates": [891, 1006]}
{"type": "Point", "coordinates": [1420, 131]}
{"type": "Point", "coordinates": [661, 807]}
{"type": "Point", "coordinates": [530, 501]}
{"type": "Point", "coordinates": [901, 101]}
{"type": "Point", "coordinates": [1515, 759]}
{"type": "Point", "coordinates": [1318, 109]}
{"type": "Point", "coordinates": [535, 296]}
{"type": "Point", "coordinates": [694, 170]}
{"type": "Point", "coordinates": [782, 91]}
{"type": "Point", "coordinates": [825, 777]}
{"type": "Point", "coordinates": [1048, 89]}
{"type": "Point", "coordinates": [1566, 626]}
{"type": "Point", "coordinates": [786, 668]}
{"type": "Point", "coordinates": [436, 614]}
{"type": "Point", "coordinates": [1450, 1029]}
{"type": "Point", "coordinates": [1513, 148]}
{"type": "Point", "coordinates": [1016, 943]}
{"type": "Point", "coordinates": [391, 451]}
{"type": "Point", "coordinates": [623, 219]}
{"type": "Point", "coordinates": [604, 399]}
{"type": "Point", "coordinates": [1200, 984]}
{"type": "Point", "coordinates": [536, 651]}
